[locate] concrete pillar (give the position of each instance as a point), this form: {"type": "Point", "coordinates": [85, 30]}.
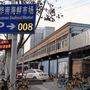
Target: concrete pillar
{"type": "Point", "coordinates": [49, 67]}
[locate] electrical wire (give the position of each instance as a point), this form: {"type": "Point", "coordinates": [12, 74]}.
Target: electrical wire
{"type": "Point", "coordinates": [36, 24]}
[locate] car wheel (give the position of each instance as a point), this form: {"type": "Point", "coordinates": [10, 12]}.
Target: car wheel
{"type": "Point", "coordinates": [34, 78]}
{"type": "Point", "coordinates": [44, 80]}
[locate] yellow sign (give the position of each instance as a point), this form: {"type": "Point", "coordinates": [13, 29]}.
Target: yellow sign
{"type": "Point", "coordinates": [25, 26]}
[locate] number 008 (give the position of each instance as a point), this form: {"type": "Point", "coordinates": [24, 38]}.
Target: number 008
{"type": "Point", "coordinates": [25, 26]}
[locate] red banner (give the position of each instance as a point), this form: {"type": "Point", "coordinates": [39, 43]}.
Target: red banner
{"type": "Point", "coordinates": [5, 44]}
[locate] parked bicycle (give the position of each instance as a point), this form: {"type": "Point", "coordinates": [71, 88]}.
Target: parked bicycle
{"type": "Point", "coordinates": [76, 81]}
{"type": "Point", "coordinates": [22, 84]}
{"type": "Point", "coordinates": [61, 81]}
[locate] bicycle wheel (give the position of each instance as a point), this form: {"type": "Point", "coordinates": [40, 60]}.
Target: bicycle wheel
{"type": "Point", "coordinates": [69, 86]}
{"type": "Point", "coordinates": [81, 86]}
{"type": "Point", "coordinates": [22, 87]}
{"type": "Point", "coordinates": [59, 84]}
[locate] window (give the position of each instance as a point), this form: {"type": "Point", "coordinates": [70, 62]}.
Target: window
{"type": "Point", "coordinates": [74, 34]}
{"type": "Point", "coordinates": [65, 43]}
{"type": "Point", "coordinates": [59, 45]}
{"type": "Point", "coordinates": [29, 71]}
{"type": "Point", "coordinates": [62, 44]}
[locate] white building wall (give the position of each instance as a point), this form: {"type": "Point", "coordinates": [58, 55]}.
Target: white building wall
{"type": "Point", "coordinates": [80, 40]}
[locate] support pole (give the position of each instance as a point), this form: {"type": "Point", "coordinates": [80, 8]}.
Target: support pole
{"type": "Point", "coordinates": [70, 57]}
{"type": "Point", "coordinates": [57, 66]}
{"type": "Point", "coordinates": [70, 65]}
{"type": "Point", "coordinates": [49, 67]}
{"type": "Point", "coordinates": [13, 58]}
{"type": "Point", "coordinates": [7, 63]}
{"type": "Point", "coordinates": [13, 62]}
{"type": "Point", "coordinates": [7, 59]}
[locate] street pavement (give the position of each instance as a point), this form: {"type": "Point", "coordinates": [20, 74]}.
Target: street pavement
{"type": "Point", "coordinates": [47, 86]}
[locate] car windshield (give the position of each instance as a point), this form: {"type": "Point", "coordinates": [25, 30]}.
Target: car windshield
{"type": "Point", "coordinates": [30, 71]}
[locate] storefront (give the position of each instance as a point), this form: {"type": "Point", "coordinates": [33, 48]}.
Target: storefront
{"type": "Point", "coordinates": [63, 66]}
{"type": "Point", "coordinates": [45, 66]}
{"type": "Point", "coordinates": [53, 67]}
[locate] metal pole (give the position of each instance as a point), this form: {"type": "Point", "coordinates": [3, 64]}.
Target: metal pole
{"type": "Point", "coordinates": [13, 61]}
{"type": "Point", "coordinates": [7, 59]}
{"type": "Point", "coordinates": [6, 72]}
{"type": "Point", "coordinates": [13, 58]}
{"type": "Point", "coordinates": [70, 65]}
{"type": "Point", "coordinates": [49, 67]}
{"type": "Point", "coordinates": [70, 57]}
{"type": "Point", "coordinates": [57, 65]}
{"type": "Point", "coordinates": [7, 63]}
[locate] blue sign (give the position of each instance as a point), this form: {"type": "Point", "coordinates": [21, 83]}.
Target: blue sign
{"type": "Point", "coordinates": [17, 18]}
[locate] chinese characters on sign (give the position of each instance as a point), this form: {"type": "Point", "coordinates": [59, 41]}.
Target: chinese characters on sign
{"type": "Point", "coordinates": [11, 11]}
{"type": "Point", "coordinates": [17, 18]}
{"type": "Point", "coordinates": [5, 44]}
